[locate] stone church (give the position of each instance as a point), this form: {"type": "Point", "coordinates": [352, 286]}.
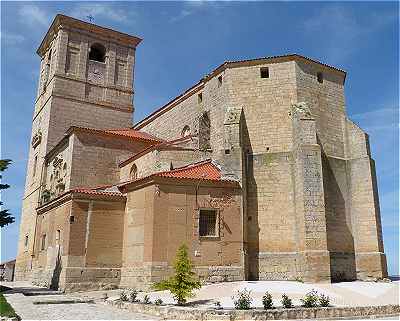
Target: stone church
{"type": "Point", "coordinates": [256, 168]}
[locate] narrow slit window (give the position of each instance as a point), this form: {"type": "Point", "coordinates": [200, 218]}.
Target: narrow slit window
{"type": "Point", "coordinates": [26, 240]}
{"type": "Point", "coordinates": [43, 243]}
{"type": "Point", "coordinates": [34, 166]}
{"type": "Point", "coordinates": [200, 98]}
{"type": "Point", "coordinates": [320, 77]}
{"type": "Point", "coordinates": [219, 81]}
{"type": "Point", "coordinates": [264, 72]}
{"type": "Point", "coordinates": [208, 223]}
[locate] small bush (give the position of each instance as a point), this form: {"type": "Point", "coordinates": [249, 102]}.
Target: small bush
{"type": "Point", "coordinates": [310, 300]}
{"type": "Point", "coordinates": [158, 302]}
{"type": "Point", "coordinates": [242, 300]}
{"type": "Point", "coordinates": [323, 300]}
{"type": "Point", "coordinates": [146, 299]}
{"type": "Point", "coordinates": [217, 305]}
{"type": "Point", "coordinates": [286, 302]}
{"type": "Point", "coordinates": [298, 279]}
{"type": "Point", "coordinates": [123, 296]}
{"type": "Point", "coordinates": [267, 301]}
{"type": "Point", "coordinates": [132, 295]}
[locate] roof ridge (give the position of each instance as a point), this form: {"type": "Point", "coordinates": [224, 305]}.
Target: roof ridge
{"type": "Point", "coordinates": [220, 68]}
{"type": "Point", "coordinates": [188, 166]}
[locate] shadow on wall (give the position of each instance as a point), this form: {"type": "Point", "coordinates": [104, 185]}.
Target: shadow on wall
{"type": "Point", "coordinates": [253, 230]}
{"type": "Point", "coordinates": [55, 279]}
{"type": "Point", "coordinates": [340, 239]}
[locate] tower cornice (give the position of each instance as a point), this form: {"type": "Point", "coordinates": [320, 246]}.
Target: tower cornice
{"type": "Point", "coordinates": [62, 21]}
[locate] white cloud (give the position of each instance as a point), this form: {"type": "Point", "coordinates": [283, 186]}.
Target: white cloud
{"type": "Point", "coordinates": [33, 15]}
{"type": "Point", "coordinates": [98, 10]}
{"type": "Point", "coordinates": [11, 39]}
{"type": "Point", "coordinates": [192, 7]}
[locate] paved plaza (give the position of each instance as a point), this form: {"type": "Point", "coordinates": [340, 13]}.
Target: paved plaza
{"type": "Point", "coordinates": [341, 294]}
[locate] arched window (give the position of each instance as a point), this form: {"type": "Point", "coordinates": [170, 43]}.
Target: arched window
{"type": "Point", "coordinates": [97, 52]}
{"type": "Point", "coordinates": [133, 172]}
{"type": "Point", "coordinates": [185, 131]}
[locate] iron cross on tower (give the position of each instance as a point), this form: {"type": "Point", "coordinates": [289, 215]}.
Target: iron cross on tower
{"type": "Point", "coordinates": [90, 18]}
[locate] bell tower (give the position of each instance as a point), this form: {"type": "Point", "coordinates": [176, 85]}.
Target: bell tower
{"type": "Point", "coordinates": [86, 79]}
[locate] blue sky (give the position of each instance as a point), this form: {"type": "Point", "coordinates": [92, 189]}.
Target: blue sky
{"type": "Point", "coordinates": [183, 41]}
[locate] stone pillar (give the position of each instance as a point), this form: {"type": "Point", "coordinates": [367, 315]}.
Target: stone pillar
{"type": "Point", "coordinates": [365, 213]}
{"type": "Point", "coordinates": [62, 47]}
{"type": "Point", "coordinates": [309, 193]}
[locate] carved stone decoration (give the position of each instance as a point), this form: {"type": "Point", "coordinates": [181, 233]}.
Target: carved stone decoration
{"type": "Point", "coordinates": [96, 72]}
{"type": "Point", "coordinates": [36, 139]}
{"type": "Point", "coordinates": [301, 109]}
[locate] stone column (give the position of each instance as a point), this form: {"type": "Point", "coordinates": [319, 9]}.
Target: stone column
{"type": "Point", "coordinates": [309, 193]}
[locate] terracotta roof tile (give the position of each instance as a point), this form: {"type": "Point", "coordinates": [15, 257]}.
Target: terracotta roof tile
{"type": "Point", "coordinates": [90, 191]}
{"type": "Point", "coordinates": [122, 132]}
{"type": "Point", "coordinates": [205, 170]}
{"type": "Point", "coordinates": [129, 132]}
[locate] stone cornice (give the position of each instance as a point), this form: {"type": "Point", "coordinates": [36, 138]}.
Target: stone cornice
{"type": "Point", "coordinates": [62, 21]}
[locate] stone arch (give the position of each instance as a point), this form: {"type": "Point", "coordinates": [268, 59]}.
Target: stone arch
{"type": "Point", "coordinates": [185, 131]}
{"type": "Point", "coordinates": [97, 52]}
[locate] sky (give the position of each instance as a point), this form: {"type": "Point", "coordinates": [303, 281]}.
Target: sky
{"type": "Point", "coordinates": [183, 41]}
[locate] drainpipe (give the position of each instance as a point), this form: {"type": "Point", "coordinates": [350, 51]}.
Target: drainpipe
{"type": "Point", "coordinates": [89, 215]}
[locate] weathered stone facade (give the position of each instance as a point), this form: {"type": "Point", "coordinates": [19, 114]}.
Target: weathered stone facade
{"type": "Point", "coordinates": [107, 204]}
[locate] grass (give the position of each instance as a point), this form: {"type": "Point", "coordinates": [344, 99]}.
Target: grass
{"type": "Point", "coordinates": [6, 309]}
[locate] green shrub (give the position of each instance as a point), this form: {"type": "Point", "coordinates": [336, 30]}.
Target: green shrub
{"type": "Point", "coordinates": [242, 300]}
{"type": "Point", "coordinates": [298, 279]}
{"type": "Point", "coordinates": [146, 299]}
{"type": "Point", "coordinates": [132, 295]}
{"type": "Point", "coordinates": [217, 305]}
{"type": "Point", "coordinates": [323, 300]}
{"type": "Point", "coordinates": [310, 300]}
{"type": "Point", "coordinates": [123, 296]}
{"type": "Point", "coordinates": [158, 302]}
{"type": "Point", "coordinates": [184, 281]}
{"type": "Point", "coordinates": [286, 301]}
{"type": "Point", "coordinates": [267, 301]}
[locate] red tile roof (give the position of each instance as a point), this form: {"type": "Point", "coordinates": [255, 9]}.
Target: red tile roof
{"type": "Point", "coordinates": [91, 191]}
{"type": "Point", "coordinates": [129, 133]}
{"type": "Point", "coordinates": [205, 170]}
{"type": "Point", "coordinates": [172, 144]}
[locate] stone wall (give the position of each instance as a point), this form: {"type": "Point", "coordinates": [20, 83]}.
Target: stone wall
{"type": "Point", "coordinates": [160, 218]}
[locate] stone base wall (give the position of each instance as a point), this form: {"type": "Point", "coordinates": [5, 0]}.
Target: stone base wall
{"type": "Point", "coordinates": [298, 313]}
{"type": "Point", "coordinates": [142, 277]}
{"type": "Point", "coordinates": [343, 266]}
{"type": "Point", "coordinates": [80, 279]}
{"type": "Point", "coordinates": [371, 265]}
{"type": "Point", "coordinates": [279, 266]}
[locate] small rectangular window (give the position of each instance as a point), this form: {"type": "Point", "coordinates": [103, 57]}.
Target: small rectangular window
{"type": "Point", "coordinates": [34, 166]}
{"type": "Point", "coordinates": [71, 219]}
{"type": "Point", "coordinates": [219, 81]}
{"type": "Point", "coordinates": [200, 98]}
{"type": "Point", "coordinates": [208, 223]}
{"type": "Point", "coordinates": [58, 235]}
{"type": "Point", "coordinates": [43, 243]}
{"type": "Point", "coordinates": [264, 72]}
{"type": "Point", "coordinates": [320, 77]}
